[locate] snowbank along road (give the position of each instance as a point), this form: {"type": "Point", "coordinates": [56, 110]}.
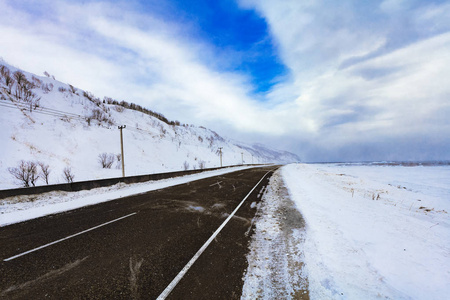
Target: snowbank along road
{"type": "Point", "coordinates": [134, 247]}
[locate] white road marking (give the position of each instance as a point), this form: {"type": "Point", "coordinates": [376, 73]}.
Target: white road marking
{"type": "Point", "coordinates": [218, 183]}
{"type": "Point", "coordinates": [66, 238]}
{"type": "Point", "coordinates": [180, 275]}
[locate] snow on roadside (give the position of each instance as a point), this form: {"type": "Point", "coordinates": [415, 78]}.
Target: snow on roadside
{"type": "Point", "coordinates": [368, 239]}
{"type": "Point", "coordinates": [22, 208]}
{"type": "Point", "coordinates": [274, 261]}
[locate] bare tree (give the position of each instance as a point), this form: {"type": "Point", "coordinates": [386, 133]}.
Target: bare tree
{"type": "Point", "coordinates": [34, 176]}
{"type": "Point", "coordinates": [30, 97]}
{"type": "Point", "coordinates": [6, 75]}
{"type": "Point", "coordinates": [201, 164]}
{"type": "Point", "coordinates": [21, 174]}
{"type": "Point", "coordinates": [9, 81]}
{"type": "Point", "coordinates": [68, 175]}
{"type": "Point", "coordinates": [24, 89]}
{"type": "Point", "coordinates": [20, 77]}
{"type": "Point", "coordinates": [26, 173]}
{"type": "Point", "coordinates": [186, 165]}
{"type": "Point", "coordinates": [45, 171]}
{"type": "Point", "coordinates": [3, 70]}
{"type": "Point", "coordinates": [106, 160]}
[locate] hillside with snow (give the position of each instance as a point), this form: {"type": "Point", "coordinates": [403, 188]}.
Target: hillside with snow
{"type": "Point", "coordinates": [65, 128]}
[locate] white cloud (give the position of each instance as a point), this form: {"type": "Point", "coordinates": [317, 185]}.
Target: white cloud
{"type": "Point", "coordinates": [384, 96]}
{"type": "Point", "coordinates": [98, 48]}
{"type": "Point", "coordinates": [394, 6]}
{"type": "Point", "coordinates": [347, 86]}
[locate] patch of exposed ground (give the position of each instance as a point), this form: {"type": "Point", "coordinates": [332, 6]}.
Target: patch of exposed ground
{"type": "Point", "coordinates": [275, 268]}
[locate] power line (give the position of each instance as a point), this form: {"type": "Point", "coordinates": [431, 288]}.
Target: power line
{"type": "Point", "coordinates": [63, 114]}
{"type": "Point", "coordinates": [41, 110]}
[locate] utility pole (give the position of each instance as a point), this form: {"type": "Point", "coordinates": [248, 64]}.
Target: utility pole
{"type": "Point", "coordinates": [242, 156]}
{"type": "Point", "coordinates": [121, 149]}
{"type": "Point", "coordinates": [220, 153]}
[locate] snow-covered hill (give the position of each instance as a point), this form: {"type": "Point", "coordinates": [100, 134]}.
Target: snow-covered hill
{"type": "Point", "coordinates": [44, 120]}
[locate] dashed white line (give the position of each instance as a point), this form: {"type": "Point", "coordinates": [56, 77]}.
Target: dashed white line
{"type": "Point", "coordinates": [180, 275]}
{"type": "Point", "coordinates": [66, 238]}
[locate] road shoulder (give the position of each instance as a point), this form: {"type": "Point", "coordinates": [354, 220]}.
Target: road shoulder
{"type": "Point", "coordinates": [275, 268]}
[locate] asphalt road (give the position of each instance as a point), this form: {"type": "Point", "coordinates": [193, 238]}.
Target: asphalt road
{"type": "Point", "coordinates": [132, 248]}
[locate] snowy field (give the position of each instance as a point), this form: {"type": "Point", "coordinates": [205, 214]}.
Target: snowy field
{"type": "Point", "coordinates": [21, 208]}
{"type": "Point", "coordinates": [370, 232]}
{"type": "Point", "coordinates": [326, 231]}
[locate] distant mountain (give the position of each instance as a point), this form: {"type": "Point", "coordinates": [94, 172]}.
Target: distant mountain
{"type": "Point", "coordinates": [47, 121]}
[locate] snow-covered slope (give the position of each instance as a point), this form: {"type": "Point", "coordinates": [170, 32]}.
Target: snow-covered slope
{"type": "Point", "coordinates": [62, 126]}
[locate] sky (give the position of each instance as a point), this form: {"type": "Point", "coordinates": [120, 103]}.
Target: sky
{"type": "Point", "coordinates": [329, 80]}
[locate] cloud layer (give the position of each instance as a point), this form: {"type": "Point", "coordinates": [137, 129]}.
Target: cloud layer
{"type": "Point", "coordinates": [365, 81]}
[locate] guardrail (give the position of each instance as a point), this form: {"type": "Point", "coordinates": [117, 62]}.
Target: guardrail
{"type": "Point", "coordinates": [91, 184]}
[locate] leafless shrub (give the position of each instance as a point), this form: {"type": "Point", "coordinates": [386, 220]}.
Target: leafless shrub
{"type": "Point", "coordinates": [62, 89]}
{"type": "Point", "coordinates": [26, 173]}
{"type": "Point", "coordinates": [72, 89]}
{"type": "Point", "coordinates": [68, 175]}
{"type": "Point", "coordinates": [45, 171]}
{"type": "Point", "coordinates": [108, 100]}
{"type": "Point", "coordinates": [47, 74]}
{"type": "Point", "coordinates": [186, 165]}
{"type": "Point", "coordinates": [36, 81]}
{"type": "Point", "coordinates": [90, 96]}
{"type": "Point", "coordinates": [48, 87]}
{"type": "Point", "coordinates": [119, 159]}
{"type": "Point", "coordinates": [201, 164]}
{"type": "Point", "coordinates": [101, 116]}
{"type": "Point", "coordinates": [97, 114]}
{"type": "Point", "coordinates": [106, 160]}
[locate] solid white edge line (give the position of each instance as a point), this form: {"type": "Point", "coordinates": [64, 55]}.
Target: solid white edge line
{"type": "Point", "coordinates": [66, 238]}
{"type": "Point", "coordinates": [180, 275]}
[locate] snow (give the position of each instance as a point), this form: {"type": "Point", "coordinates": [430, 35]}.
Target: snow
{"type": "Point", "coordinates": [275, 258]}
{"type": "Point", "coordinates": [150, 145]}
{"type": "Point", "coordinates": [23, 208]}
{"type": "Point", "coordinates": [373, 231]}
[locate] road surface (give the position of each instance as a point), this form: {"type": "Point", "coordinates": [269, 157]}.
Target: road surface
{"type": "Point", "coordinates": [134, 247]}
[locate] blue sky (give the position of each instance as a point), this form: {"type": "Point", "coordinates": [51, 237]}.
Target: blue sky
{"type": "Point", "coordinates": [229, 28]}
{"type": "Point", "coordinates": [329, 80]}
